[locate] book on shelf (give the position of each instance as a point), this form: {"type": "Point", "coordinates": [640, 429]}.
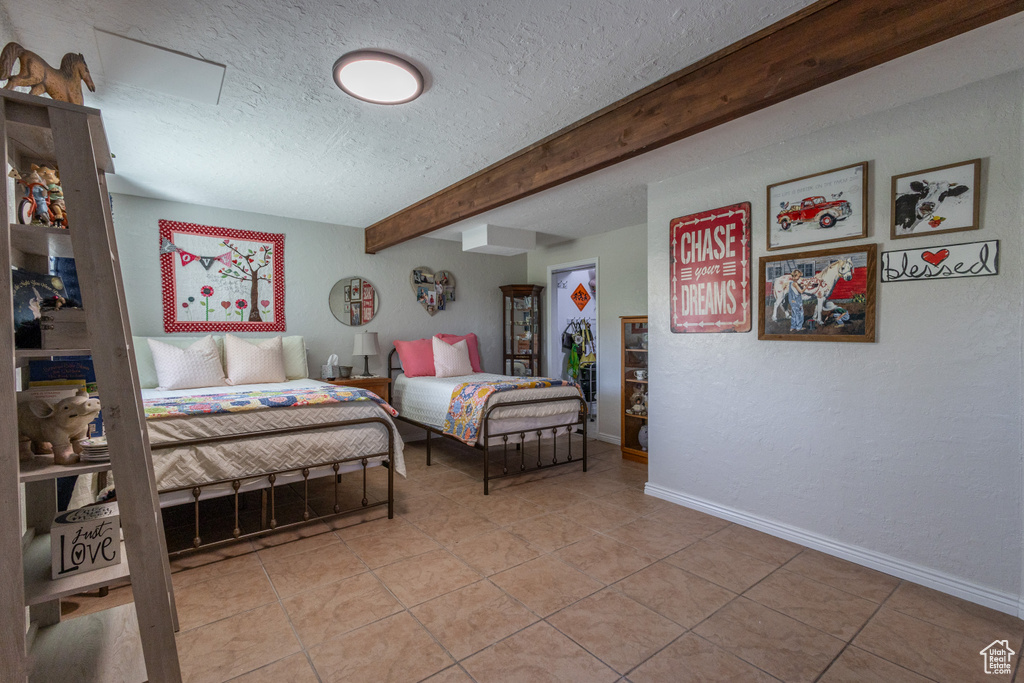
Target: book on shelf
{"type": "Point", "coordinates": [52, 380]}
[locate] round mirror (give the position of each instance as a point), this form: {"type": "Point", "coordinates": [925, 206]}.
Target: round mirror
{"type": "Point", "coordinates": [353, 301]}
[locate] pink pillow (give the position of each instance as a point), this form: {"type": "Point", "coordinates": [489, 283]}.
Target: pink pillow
{"type": "Point", "coordinates": [417, 357]}
{"type": "Point", "coordinates": [471, 342]}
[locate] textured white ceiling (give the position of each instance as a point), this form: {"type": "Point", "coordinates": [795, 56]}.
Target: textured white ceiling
{"type": "Point", "coordinates": [616, 197]}
{"type": "Point", "coordinates": [284, 140]}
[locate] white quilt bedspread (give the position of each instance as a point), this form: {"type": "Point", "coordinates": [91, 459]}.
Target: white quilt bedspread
{"type": "Point", "coordinates": [188, 465]}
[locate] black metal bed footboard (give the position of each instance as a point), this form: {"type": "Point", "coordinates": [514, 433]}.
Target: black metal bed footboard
{"type": "Point", "coordinates": [270, 478]}
{"type": "Point", "coordinates": [566, 428]}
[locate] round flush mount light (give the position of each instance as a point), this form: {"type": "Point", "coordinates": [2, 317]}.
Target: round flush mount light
{"type": "Point", "coordinates": [378, 77]}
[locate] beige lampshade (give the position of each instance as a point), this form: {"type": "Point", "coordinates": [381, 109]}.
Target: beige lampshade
{"type": "Point", "coordinates": [366, 344]}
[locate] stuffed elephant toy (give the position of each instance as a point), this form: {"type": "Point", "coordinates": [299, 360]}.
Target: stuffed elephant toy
{"type": "Point", "coordinates": [61, 425]}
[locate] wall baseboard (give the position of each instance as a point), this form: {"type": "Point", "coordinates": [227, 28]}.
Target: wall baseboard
{"type": "Point", "coordinates": [609, 438]}
{"type": "Point", "coordinates": [940, 581]}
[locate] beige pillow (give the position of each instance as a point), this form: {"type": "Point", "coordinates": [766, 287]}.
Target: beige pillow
{"type": "Point", "coordinates": [451, 360]}
{"type": "Point", "coordinates": [198, 365]}
{"type": "Point", "coordinates": [294, 357]}
{"type": "Point", "coordinates": [254, 363]}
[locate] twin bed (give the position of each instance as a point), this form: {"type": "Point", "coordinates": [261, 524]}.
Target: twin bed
{"type": "Point", "coordinates": [518, 423]}
{"type": "Point", "coordinates": [211, 442]}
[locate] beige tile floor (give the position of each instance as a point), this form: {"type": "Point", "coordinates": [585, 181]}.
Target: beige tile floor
{"type": "Point", "coordinates": [567, 577]}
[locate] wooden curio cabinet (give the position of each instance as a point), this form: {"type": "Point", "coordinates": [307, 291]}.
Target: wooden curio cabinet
{"type": "Point", "coordinates": [521, 330]}
{"type": "Point", "coordinates": [634, 388]}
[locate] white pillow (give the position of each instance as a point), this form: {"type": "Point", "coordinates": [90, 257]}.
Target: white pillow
{"type": "Point", "coordinates": [198, 365]}
{"type": "Point", "coordinates": [451, 360]}
{"type": "Point", "coordinates": [294, 357]}
{"type": "Point", "coordinates": [254, 363]}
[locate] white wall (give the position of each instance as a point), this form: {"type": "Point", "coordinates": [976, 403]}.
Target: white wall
{"type": "Point", "coordinates": [904, 454]}
{"type": "Point", "coordinates": [316, 256]}
{"type": "Point", "coordinates": [621, 290]}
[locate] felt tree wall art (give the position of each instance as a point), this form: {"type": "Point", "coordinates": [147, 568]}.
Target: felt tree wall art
{"type": "Point", "coordinates": [220, 279]}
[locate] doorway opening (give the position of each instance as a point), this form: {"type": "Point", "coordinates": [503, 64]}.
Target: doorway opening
{"type": "Point", "coordinates": [573, 348]}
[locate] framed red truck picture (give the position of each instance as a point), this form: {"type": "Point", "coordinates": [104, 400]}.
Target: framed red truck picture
{"type": "Point", "coordinates": [819, 208]}
{"type": "Point", "coordinates": [709, 265]}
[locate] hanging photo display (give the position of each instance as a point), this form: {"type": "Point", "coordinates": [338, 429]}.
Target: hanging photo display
{"type": "Point", "coordinates": [219, 279]}
{"type": "Point", "coordinates": [434, 291]}
{"type": "Point", "coordinates": [973, 259]}
{"type": "Point", "coordinates": [710, 270]}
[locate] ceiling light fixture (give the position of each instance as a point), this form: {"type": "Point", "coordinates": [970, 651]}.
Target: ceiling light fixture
{"type": "Point", "coordinates": [378, 77]}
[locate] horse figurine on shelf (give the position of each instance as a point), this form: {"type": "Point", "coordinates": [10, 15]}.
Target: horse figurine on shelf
{"type": "Point", "coordinates": [64, 84]}
{"type": "Point", "coordinates": [818, 287]}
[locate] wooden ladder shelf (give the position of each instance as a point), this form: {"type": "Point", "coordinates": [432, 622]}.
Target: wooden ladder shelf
{"type": "Point", "coordinates": [131, 642]}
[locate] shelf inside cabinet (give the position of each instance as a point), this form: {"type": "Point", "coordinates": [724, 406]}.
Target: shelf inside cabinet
{"type": "Point", "coordinates": [41, 240]}
{"type": "Point", "coordinates": [635, 356]}
{"type": "Point", "coordinates": [42, 467]}
{"type": "Point", "coordinates": [50, 353]}
{"type": "Point", "coordinates": [40, 588]}
{"type": "Point", "coordinates": [104, 646]}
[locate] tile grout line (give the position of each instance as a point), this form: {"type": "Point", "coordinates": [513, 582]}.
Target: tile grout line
{"type": "Point", "coordinates": [693, 630]}
{"type": "Point", "coordinates": [280, 602]}
{"type": "Point", "coordinates": [849, 643]}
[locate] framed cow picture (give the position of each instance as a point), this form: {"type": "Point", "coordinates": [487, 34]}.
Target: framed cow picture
{"type": "Point", "coordinates": [819, 208]}
{"type": "Point", "coordinates": [825, 295]}
{"type": "Point", "coordinates": [937, 200]}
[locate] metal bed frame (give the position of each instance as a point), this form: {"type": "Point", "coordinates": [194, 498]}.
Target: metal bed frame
{"type": "Point", "coordinates": [272, 477]}
{"type": "Point", "coordinates": [484, 444]}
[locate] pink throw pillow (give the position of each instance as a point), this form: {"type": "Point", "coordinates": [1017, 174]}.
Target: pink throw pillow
{"type": "Point", "coordinates": [417, 357]}
{"type": "Point", "coordinates": [471, 342]}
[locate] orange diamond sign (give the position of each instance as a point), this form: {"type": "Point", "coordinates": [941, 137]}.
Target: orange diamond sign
{"type": "Point", "coordinates": [580, 297]}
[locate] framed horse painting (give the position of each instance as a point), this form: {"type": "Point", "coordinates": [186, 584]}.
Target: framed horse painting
{"type": "Point", "coordinates": [825, 295]}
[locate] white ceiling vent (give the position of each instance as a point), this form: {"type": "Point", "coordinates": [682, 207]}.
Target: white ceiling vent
{"type": "Point", "coordinates": [158, 69]}
{"type": "Point", "coordinates": [494, 239]}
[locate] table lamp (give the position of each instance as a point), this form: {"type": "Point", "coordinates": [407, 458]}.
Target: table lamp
{"type": "Point", "coordinates": [366, 346]}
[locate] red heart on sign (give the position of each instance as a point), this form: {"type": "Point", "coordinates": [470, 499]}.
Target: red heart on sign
{"type": "Point", "coordinates": [937, 257]}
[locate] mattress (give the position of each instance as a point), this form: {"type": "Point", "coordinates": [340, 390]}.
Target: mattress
{"type": "Point", "coordinates": [426, 400]}
{"type": "Point", "coordinates": [189, 465]}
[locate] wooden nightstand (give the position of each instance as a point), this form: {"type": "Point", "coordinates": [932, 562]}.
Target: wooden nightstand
{"type": "Point", "coordinates": [378, 385]}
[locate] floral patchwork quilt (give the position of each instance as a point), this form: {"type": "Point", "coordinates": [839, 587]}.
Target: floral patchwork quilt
{"type": "Point", "coordinates": [466, 411]}
{"type": "Point", "coordinates": [257, 400]}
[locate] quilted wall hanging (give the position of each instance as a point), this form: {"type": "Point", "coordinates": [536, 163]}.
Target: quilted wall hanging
{"type": "Point", "coordinates": [221, 280]}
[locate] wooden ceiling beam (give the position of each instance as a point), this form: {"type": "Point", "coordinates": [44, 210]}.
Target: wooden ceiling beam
{"type": "Point", "coordinates": [827, 41]}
